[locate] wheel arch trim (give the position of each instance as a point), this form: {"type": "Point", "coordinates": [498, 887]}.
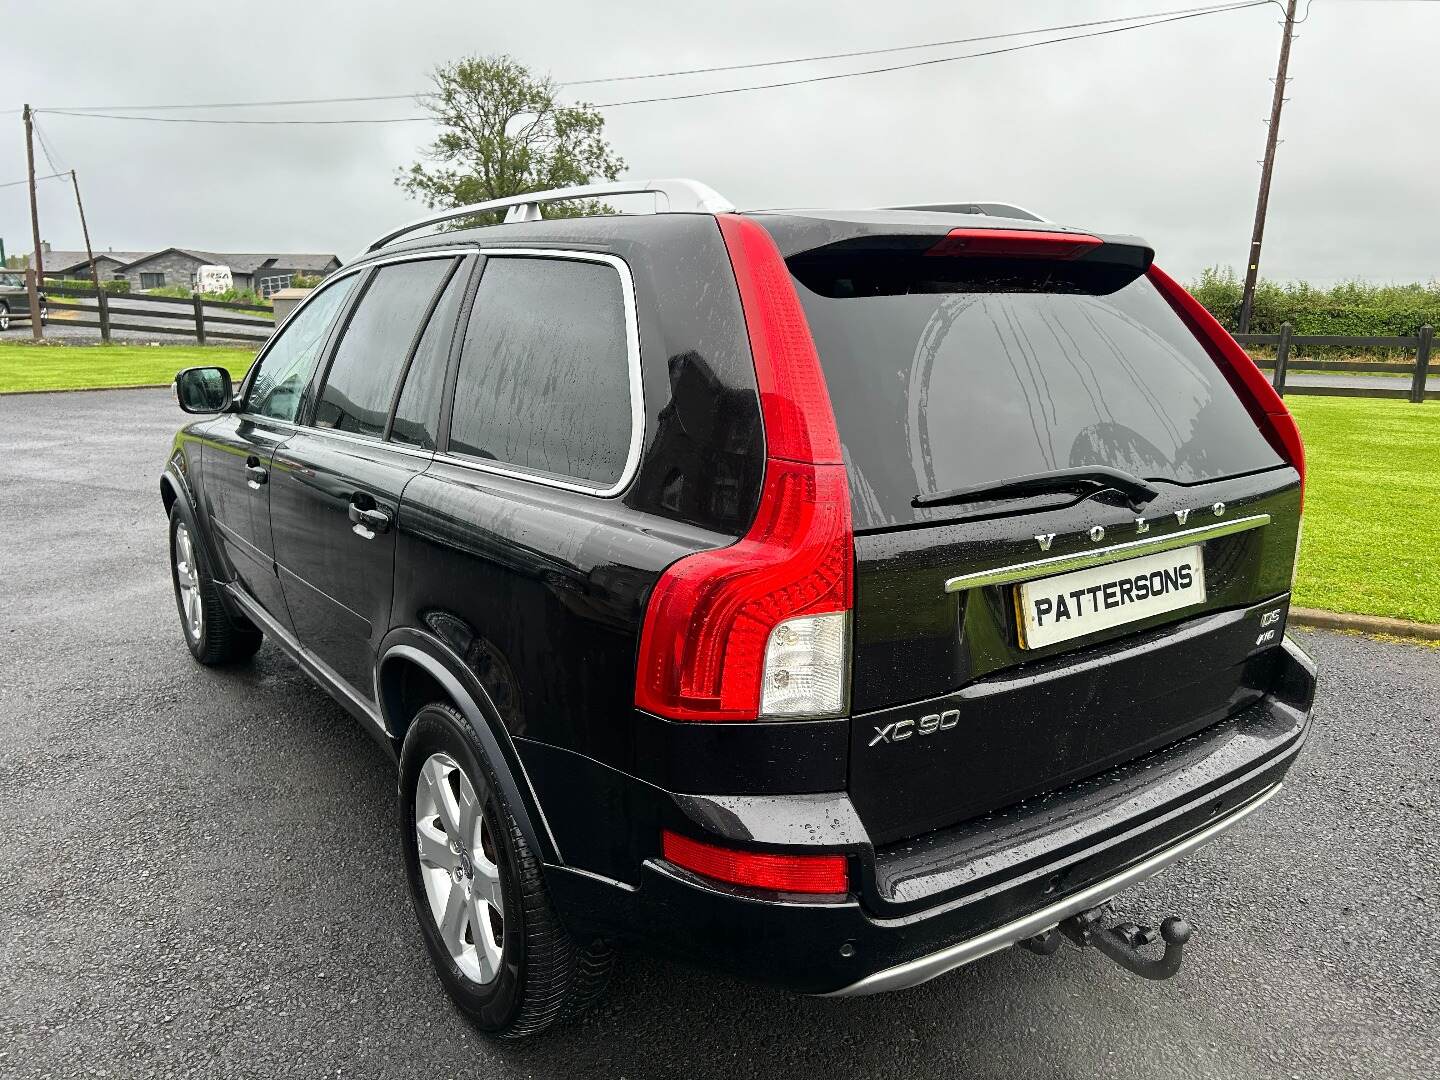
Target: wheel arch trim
{"type": "Point", "coordinates": [184, 497]}
{"type": "Point", "coordinates": [467, 695]}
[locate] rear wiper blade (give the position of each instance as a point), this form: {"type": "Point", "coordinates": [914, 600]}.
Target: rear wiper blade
{"type": "Point", "coordinates": [1087, 479]}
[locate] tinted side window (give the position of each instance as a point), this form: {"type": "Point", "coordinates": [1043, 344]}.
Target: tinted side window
{"type": "Point", "coordinates": [544, 377]}
{"type": "Point", "coordinates": [360, 384]}
{"type": "Point", "coordinates": [279, 385]}
{"type": "Point", "coordinates": [417, 417]}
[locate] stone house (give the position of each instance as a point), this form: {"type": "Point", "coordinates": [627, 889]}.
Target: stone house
{"type": "Point", "coordinates": [264, 272]}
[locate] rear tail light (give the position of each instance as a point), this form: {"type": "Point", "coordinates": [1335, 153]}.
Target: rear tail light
{"type": "Point", "coordinates": [823, 874]}
{"type": "Point", "coordinates": [761, 629]}
{"type": "Point", "coordinates": [1016, 243]}
{"type": "Point", "coordinates": [1266, 406]}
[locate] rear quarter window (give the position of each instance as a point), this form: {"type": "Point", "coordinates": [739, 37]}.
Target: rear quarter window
{"type": "Point", "coordinates": [544, 382]}
{"type": "Point", "coordinates": [943, 379]}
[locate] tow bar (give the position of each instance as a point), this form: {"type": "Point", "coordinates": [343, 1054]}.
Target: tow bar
{"type": "Point", "coordinates": [1121, 943]}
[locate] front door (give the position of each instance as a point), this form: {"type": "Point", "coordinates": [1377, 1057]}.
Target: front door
{"type": "Point", "coordinates": [237, 459]}
{"type": "Point", "coordinates": [336, 484]}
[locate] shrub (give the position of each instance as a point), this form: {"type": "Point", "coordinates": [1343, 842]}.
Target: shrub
{"type": "Point", "coordinates": [1349, 309]}
{"type": "Point", "coordinates": [112, 288]}
{"type": "Point", "coordinates": [305, 281]}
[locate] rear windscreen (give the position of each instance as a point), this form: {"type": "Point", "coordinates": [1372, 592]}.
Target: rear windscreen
{"type": "Point", "coordinates": [949, 373]}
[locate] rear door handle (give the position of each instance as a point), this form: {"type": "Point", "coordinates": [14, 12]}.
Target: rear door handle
{"type": "Point", "coordinates": [367, 522]}
{"type": "Point", "coordinates": [255, 473]}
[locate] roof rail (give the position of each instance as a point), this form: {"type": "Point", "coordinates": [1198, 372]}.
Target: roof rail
{"type": "Point", "coordinates": [992, 209]}
{"type": "Point", "coordinates": [679, 196]}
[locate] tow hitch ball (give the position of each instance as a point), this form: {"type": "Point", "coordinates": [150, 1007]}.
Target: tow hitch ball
{"type": "Point", "coordinates": [1121, 943]}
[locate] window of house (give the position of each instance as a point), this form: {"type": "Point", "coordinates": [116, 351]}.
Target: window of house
{"type": "Point", "coordinates": [544, 380]}
{"type": "Point", "coordinates": [152, 281]}
{"type": "Point", "coordinates": [360, 384]}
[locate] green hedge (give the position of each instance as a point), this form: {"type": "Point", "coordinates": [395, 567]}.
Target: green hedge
{"type": "Point", "coordinates": [112, 288]}
{"type": "Point", "coordinates": [1350, 308]}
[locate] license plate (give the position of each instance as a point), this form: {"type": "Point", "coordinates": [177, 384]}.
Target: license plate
{"type": "Point", "coordinates": [1072, 605]}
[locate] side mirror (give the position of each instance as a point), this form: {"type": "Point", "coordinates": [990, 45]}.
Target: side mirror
{"type": "Point", "coordinates": [203, 390]}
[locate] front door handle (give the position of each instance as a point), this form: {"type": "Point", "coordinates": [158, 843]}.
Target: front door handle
{"type": "Point", "coordinates": [368, 521]}
{"type": "Point", "coordinates": [255, 473]}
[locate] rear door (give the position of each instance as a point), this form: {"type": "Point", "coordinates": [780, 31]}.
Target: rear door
{"type": "Point", "coordinates": [1010, 644]}
{"type": "Point", "coordinates": [239, 446]}
{"type": "Point", "coordinates": [338, 480]}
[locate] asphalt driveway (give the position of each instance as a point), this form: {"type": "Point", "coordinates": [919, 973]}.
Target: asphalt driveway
{"type": "Point", "coordinates": [199, 870]}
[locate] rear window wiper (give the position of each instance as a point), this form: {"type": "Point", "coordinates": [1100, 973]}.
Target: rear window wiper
{"type": "Point", "coordinates": [1088, 479]}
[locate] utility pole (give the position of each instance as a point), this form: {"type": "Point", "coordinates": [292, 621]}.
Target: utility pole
{"type": "Point", "coordinates": [37, 270]}
{"type": "Point", "coordinates": [1262, 204]}
{"type": "Point", "coordinates": [100, 302]}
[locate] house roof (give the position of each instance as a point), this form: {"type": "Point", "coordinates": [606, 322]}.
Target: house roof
{"type": "Point", "coordinates": [245, 262]}
{"type": "Point", "coordinates": [239, 262]}
{"type": "Point", "coordinates": [68, 260]}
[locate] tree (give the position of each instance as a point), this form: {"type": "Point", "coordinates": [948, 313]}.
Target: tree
{"type": "Point", "coordinates": [504, 133]}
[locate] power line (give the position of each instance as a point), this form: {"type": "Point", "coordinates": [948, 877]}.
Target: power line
{"type": "Point", "coordinates": [68, 109]}
{"type": "Point", "coordinates": [1187, 13]}
{"type": "Point", "coordinates": [899, 48]}
{"type": "Point", "coordinates": [211, 120]}
{"type": "Point", "coordinates": [48, 176]}
{"type": "Point", "coordinates": [45, 147]}
{"type": "Point", "coordinates": [936, 60]}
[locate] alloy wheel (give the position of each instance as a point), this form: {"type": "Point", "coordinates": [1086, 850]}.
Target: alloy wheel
{"type": "Point", "coordinates": [459, 866]}
{"type": "Point", "coordinates": [187, 578]}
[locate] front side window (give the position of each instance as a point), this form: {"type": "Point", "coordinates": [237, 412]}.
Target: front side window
{"type": "Point", "coordinates": [374, 346]}
{"type": "Point", "coordinates": [544, 380]}
{"type": "Point", "coordinates": [284, 371]}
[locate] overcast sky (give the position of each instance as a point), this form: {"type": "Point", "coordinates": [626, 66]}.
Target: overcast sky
{"type": "Point", "coordinates": [1156, 131]}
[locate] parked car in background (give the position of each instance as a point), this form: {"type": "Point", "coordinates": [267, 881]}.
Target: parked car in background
{"type": "Point", "coordinates": [828, 598]}
{"type": "Point", "coordinates": [15, 300]}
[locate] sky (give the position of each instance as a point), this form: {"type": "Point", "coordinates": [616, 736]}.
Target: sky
{"type": "Point", "coordinates": [1155, 131]}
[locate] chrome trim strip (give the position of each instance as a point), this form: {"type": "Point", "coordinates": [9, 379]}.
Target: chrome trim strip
{"type": "Point", "coordinates": [926, 968]}
{"type": "Point", "coordinates": [362, 440]}
{"type": "Point", "coordinates": [679, 195]}
{"type": "Point", "coordinates": [593, 876]}
{"type": "Point", "coordinates": [637, 393]}
{"type": "Point", "coordinates": [1059, 564]}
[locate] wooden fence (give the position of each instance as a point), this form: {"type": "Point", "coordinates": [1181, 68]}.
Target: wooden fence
{"type": "Point", "coordinates": [1287, 339]}
{"type": "Point", "coordinates": [185, 316]}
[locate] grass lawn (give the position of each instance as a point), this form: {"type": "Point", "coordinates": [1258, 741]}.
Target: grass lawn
{"type": "Point", "coordinates": [81, 367]}
{"type": "Point", "coordinates": [1372, 507]}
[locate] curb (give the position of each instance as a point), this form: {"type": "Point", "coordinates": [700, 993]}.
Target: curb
{"type": "Point", "coordinates": [86, 389]}
{"type": "Point", "coordinates": [1365, 624]}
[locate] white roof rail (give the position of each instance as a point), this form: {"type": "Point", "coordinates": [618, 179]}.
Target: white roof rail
{"type": "Point", "coordinates": [675, 196]}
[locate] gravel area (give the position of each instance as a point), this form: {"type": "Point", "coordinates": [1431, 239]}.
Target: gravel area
{"type": "Point", "coordinates": [200, 870]}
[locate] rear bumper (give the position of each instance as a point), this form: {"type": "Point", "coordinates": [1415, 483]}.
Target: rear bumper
{"type": "Point", "coordinates": [944, 900]}
{"type": "Point", "coordinates": [925, 968]}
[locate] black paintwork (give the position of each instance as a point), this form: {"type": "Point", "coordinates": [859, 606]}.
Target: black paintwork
{"type": "Point", "coordinates": [522, 602]}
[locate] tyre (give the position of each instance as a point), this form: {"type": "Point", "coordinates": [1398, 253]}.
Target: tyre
{"type": "Point", "coordinates": [487, 920]}
{"type": "Point", "coordinates": [213, 635]}
{"type": "Point", "coordinates": [4, 316]}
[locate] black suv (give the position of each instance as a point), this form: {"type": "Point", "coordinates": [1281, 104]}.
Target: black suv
{"type": "Point", "coordinates": [830, 598]}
